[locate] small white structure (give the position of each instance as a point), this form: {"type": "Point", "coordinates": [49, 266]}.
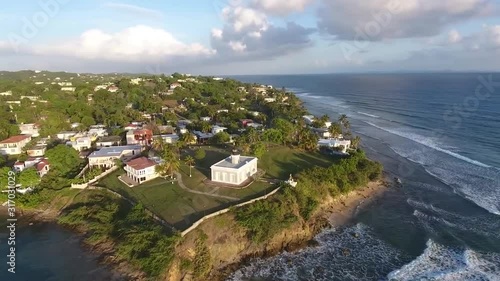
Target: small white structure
{"type": "Point", "coordinates": [43, 167]}
{"type": "Point", "coordinates": [81, 143]}
{"type": "Point", "coordinates": [175, 85]}
{"type": "Point", "coordinates": [168, 138]}
{"type": "Point", "coordinates": [234, 170]}
{"type": "Point", "coordinates": [205, 118]}
{"type": "Point", "coordinates": [68, 89]}
{"type": "Point", "coordinates": [29, 129]}
{"type": "Point", "coordinates": [65, 135]}
{"type": "Point", "coordinates": [334, 143]}
{"type": "Point", "coordinates": [7, 93]}
{"type": "Point", "coordinates": [309, 119]}
{"type": "Point", "coordinates": [14, 144]}
{"type": "Point", "coordinates": [218, 129]}
{"type": "Point", "coordinates": [141, 169]}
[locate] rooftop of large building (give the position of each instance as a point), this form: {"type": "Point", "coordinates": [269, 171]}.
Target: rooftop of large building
{"type": "Point", "coordinates": [229, 163]}
{"type": "Point", "coordinates": [113, 151]}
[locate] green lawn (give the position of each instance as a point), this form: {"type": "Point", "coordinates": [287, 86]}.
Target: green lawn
{"type": "Point", "coordinates": [279, 162]}
{"type": "Point", "coordinates": [175, 205]}
{"type": "Point", "coordinates": [181, 208]}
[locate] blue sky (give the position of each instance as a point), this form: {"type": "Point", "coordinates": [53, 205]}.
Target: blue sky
{"type": "Point", "coordinates": [251, 36]}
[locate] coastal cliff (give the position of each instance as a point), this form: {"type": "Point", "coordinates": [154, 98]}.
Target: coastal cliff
{"type": "Point", "coordinates": [220, 245]}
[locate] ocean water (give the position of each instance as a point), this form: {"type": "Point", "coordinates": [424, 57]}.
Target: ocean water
{"type": "Point", "coordinates": [442, 138]}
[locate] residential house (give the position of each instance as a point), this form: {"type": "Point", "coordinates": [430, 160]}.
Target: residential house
{"type": "Point", "coordinates": [14, 144]}
{"type": "Point", "coordinates": [132, 127]}
{"type": "Point", "coordinates": [142, 136]}
{"type": "Point", "coordinates": [65, 84]}
{"type": "Point", "coordinates": [29, 129]}
{"type": "Point", "coordinates": [81, 143]}
{"type": "Point", "coordinates": [218, 129]}
{"type": "Point", "coordinates": [206, 119]}
{"type": "Point", "coordinates": [36, 151]}
{"type": "Point", "coordinates": [322, 132]}
{"type": "Point", "coordinates": [268, 100]}
{"type": "Point", "coordinates": [68, 89]}
{"type": "Point", "coordinates": [222, 110]}
{"type": "Point", "coordinates": [141, 169]}
{"type": "Point", "coordinates": [255, 125]}
{"type": "Point", "coordinates": [234, 170]}
{"type": "Point", "coordinates": [18, 166]}
{"type": "Point", "coordinates": [113, 89]}
{"type": "Point", "coordinates": [309, 119]}
{"type": "Point", "coordinates": [43, 167]}
{"type": "Point", "coordinates": [168, 138]}
{"type": "Point", "coordinates": [7, 93]}
{"type": "Point", "coordinates": [202, 137]}
{"type": "Point", "coordinates": [335, 143]}
{"type": "Point", "coordinates": [136, 81]}
{"type": "Point", "coordinates": [175, 85]}
{"type": "Point", "coordinates": [31, 98]}
{"type": "Point", "coordinates": [106, 156]}
{"type": "Point", "coordinates": [66, 135]}
{"type": "Point", "coordinates": [245, 122]}
{"type": "Point", "coordinates": [108, 141]}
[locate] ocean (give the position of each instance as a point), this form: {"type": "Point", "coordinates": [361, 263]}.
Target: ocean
{"type": "Point", "coordinates": [437, 132]}
{"type": "Point", "coordinates": [440, 134]}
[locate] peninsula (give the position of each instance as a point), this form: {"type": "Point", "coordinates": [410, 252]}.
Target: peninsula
{"type": "Point", "coordinates": [177, 177]}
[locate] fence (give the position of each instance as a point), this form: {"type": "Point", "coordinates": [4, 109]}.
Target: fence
{"type": "Point", "coordinates": [197, 223]}
{"type": "Point", "coordinates": [85, 185]}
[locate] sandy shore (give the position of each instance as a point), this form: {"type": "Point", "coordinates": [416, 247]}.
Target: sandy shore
{"type": "Point", "coordinates": [344, 209]}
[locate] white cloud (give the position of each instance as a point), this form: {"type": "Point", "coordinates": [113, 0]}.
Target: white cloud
{"type": "Point", "coordinates": [237, 46]}
{"type": "Point", "coordinates": [137, 43]}
{"type": "Point", "coordinates": [385, 19]}
{"type": "Point", "coordinates": [133, 9]}
{"type": "Point", "coordinates": [247, 33]}
{"type": "Point", "coordinates": [454, 37]}
{"type": "Point", "coordinates": [281, 7]}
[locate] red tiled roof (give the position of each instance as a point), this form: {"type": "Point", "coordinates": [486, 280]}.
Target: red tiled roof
{"type": "Point", "coordinates": [15, 139]}
{"type": "Point", "coordinates": [41, 165]}
{"type": "Point", "coordinates": [141, 163]}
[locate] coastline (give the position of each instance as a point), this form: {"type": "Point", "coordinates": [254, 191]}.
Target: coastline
{"type": "Point", "coordinates": [236, 251]}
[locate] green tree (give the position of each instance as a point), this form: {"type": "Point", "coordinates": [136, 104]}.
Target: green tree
{"type": "Point", "coordinates": [29, 178]}
{"type": "Point", "coordinates": [258, 149]}
{"type": "Point", "coordinates": [5, 173]}
{"type": "Point", "coordinates": [200, 154]}
{"type": "Point", "coordinates": [64, 160]}
{"type": "Point", "coordinates": [189, 160]}
{"type": "Point", "coordinates": [335, 130]}
{"type": "Point", "coordinates": [220, 138]}
{"type": "Point", "coordinates": [274, 136]}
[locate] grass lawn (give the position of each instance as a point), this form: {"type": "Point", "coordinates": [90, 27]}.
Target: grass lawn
{"type": "Point", "coordinates": [279, 162]}
{"type": "Point", "coordinates": [175, 205]}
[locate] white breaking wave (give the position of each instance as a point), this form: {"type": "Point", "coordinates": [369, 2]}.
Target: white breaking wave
{"type": "Point", "coordinates": [429, 143]}
{"type": "Point", "coordinates": [369, 115]}
{"type": "Point", "coordinates": [368, 258]}
{"type": "Point", "coordinates": [441, 263]}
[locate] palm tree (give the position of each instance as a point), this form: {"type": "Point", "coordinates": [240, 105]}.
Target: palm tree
{"type": "Point", "coordinates": [335, 130]}
{"type": "Point", "coordinates": [189, 160]}
{"type": "Point", "coordinates": [355, 142]}
{"type": "Point", "coordinates": [158, 144]}
{"type": "Point", "coordinates": [188, 138]}
{"type": "Point", "coordinates": [344, 122]}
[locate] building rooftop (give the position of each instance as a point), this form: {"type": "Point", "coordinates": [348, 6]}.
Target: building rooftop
{"type": "Point", "coordinates": [141, 163]}
{"type": "Point", "coordinates": [113, 151]}
{"type": "Point", "coordinates": [15, 139]}
{"type": "Point", "coordinates": [228, 163]}
{"type": "Point", "coordinates": [110, 138]}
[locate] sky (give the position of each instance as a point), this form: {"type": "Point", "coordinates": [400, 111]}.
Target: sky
{"type": "Point", "coordinates": [234, 37]}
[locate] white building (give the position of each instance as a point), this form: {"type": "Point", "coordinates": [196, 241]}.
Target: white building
{"type": "Point", "coordinates": [65, 135]}
{"type": "Point", "coordinates": [106, 156]}
{"type": "Point", "coordinates": [136, 81]}
{"type": "Point", "coordinates": [334, 143]}
{"type": "Point", "coordinates": [141, 169]}
{"type": "Point", "coordinates": [234, 170]}
{"type": "Point", "coordinates": [205, 118]}
{"type": "Point", "coordinates": [68, 89]}
{"type": "Point", "coordinates": [81, 143]}
{"type": "Point", "coordinates": [168, 138]}
{"type": "Point", "coordinates": [309, 119]}
{"type": "Point", "coordinates": [218, 129]}
{"type": "Point", "coordinates": [14, 144]}
{"type": "Point", "coordinates": [29, 129]}
{"type": "Point", "coordinates": [7, 93]}
{"type": "Point", "coordinates": [36, 151]}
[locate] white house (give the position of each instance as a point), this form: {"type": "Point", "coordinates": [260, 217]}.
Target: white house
{"type": "Point", "coordinates": [43, 167]}
{"type": "Point", "coordinates": [218, 129]}
{"type": "Point", "coordinates": [175, 85]}
{"type": "Point", "coordinates": [334, 143]}
{"type": "Point", "coordinates": [106, 156]}
{"type": "Point", "coordinates": [168, 138]}
{"type": "Point", "coordinates": [29, 129]}
{"type": "Point", "coordinates": [14, 144]}
{"type": "Point", "coordinates": [234, 170]}
{"type": "Point", "coordinates": [108, 141]}
{"type": "Point", "coordinates": [309, 119]}
{"type": "Point", "coordinates": [269, 100]}
{"type": "Point", "coordinates": [323, 133]}
{"type": "Point", "coordinates": [68, 89]}
{"type": "Point", "coordinates": [7, 93]}
{"type": "Point", "coordinates": [81, 143]}
{"type": "Point", "coordinates": [206, 118]}
{"type": "Point", "coordinates": [141, 169]}
{"type": "Point", "coordinates": [65, 135]}
{"type": "Point", "coordinates": [136, 81]}
{"type": "Point", "coordinates": [36, 151]}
